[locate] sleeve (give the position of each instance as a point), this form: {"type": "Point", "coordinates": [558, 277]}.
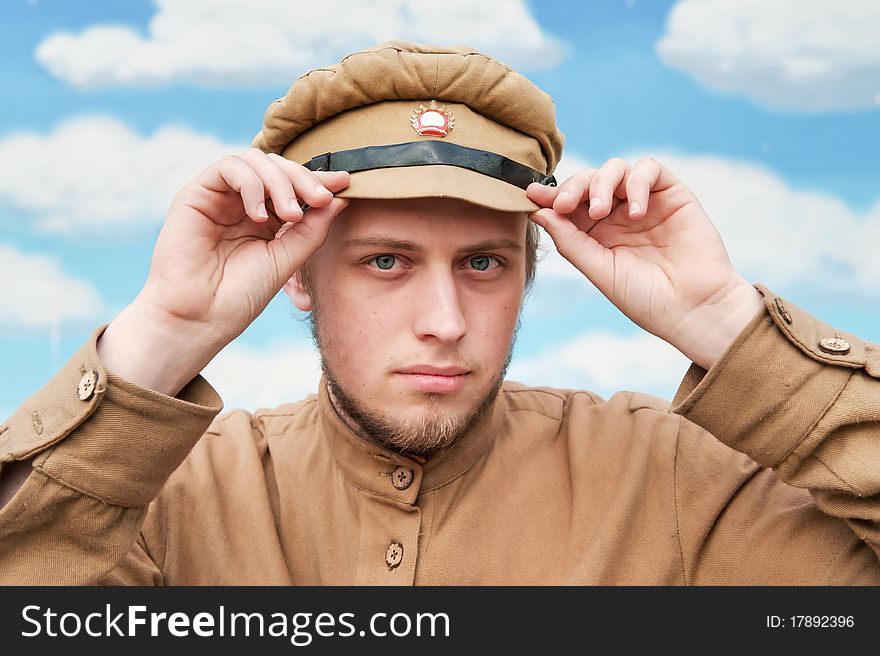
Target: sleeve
{"type": "Point", "coordinates": [102, 448]}
{"type": "Point", "coordinates": [802, 401]}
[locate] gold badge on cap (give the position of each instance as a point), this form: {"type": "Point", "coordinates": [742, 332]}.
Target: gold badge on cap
{"type": "Point", "coordinates": [432, 121]}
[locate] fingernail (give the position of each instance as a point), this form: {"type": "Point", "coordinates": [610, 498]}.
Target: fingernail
{"type": "Point", "coordinates": [261, 211]}
{"type": "Point", "coordinates": [323, 191]}
{"type": "Point", "coordinates": [634, 208]}
{"type": "Point", "coordinates": [537, 219]}
{"type": "Point", "coordinates": [595, 202]}
{"type": "Point", "coordinates": [563, 195]}
{"type": "Point", "coordinates": [296, 209]}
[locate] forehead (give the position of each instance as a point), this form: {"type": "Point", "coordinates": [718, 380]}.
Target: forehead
{"type": "Point", "coordinates": [427, 221]}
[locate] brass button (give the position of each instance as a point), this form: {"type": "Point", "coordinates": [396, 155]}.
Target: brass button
{"type": "Point", "coordinates": [834, 345]}
{"type": "Point", "coordinates": [402, 478]}
{"type": "Point", "coordinates": [394, 555]}
{"type": "Point", "coordinates": [86, 388]}
{"type": "Point", "coordinates": [783, 311]}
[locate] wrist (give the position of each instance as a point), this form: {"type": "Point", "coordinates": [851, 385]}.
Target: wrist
{"type": "Point", "coordinates": [155, 352]}
{"type": "Point", "coordinates": [714, 327]}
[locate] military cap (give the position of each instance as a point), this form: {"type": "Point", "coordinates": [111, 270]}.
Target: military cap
{"type": "Point", "coordinates": [416, 121]}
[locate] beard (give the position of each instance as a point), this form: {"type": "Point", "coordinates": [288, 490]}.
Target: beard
{"type": "Point", "coordinates": [428, 432]}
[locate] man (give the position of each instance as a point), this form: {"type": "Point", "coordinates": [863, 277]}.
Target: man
{"type": "Point", "coordinates": [422, 172]}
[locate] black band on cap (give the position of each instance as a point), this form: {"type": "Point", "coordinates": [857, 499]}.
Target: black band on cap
{"type": "Point", "coordinates": [426, 153]}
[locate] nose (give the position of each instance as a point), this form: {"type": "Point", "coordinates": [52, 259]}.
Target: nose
{"type": "Point", "coordinates": [438, 312]}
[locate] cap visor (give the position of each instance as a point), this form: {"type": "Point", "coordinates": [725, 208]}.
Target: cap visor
{"type": "Point", "coordinates": [438, 181]}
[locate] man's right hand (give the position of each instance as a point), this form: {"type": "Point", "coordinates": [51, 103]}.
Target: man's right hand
{"type": "Point", "coordinates": [217, 264]}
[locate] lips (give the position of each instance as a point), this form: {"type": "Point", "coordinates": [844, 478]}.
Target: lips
{"type": "Point", "coordinates": [434, 379]}
{"type": "Point", "coordinates": [431, 370]}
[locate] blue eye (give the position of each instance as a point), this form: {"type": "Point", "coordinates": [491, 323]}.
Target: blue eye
{"type": "Point", "coordinates": [385, 262]}
{"type": "Point", "coordinates": [481, 262]}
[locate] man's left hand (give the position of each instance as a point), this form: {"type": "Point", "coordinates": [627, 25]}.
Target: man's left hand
{"type": "Point", "coordinates": [643, 239]}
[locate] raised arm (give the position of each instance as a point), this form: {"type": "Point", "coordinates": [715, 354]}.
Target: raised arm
{"type": "Point", "coordinates": [790, 392]}
{"type": "Point", "coordinates": [106, 432]}
{"type": "Point", "coordinates": [802, 399]}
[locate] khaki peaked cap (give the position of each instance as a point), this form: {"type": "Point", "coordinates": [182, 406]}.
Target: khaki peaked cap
{"type": "Point", "coordinates": [371, 98]}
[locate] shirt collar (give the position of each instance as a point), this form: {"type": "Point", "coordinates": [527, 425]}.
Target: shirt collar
{"type": "Point", "coordinates": [372, 467]}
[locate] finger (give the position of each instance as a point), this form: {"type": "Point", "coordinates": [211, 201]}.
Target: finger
{"type": "Point", "coordinates": [306, 184]}
{"type": "Point", "coordinates": [334, 180]}
{"type": "Point", "coordinates": [581, 218]}
{"type": "Point", "coordinates": [277, 185]}
{"type": "Point", "coordinates": [585, 253]}
{"type": "Point", "coordinates": [541, 194]}
{"type": "Point", "coordinates": [604, 184]}
{"type": "Point", "coordinates": [298, 242]}
{"type": "Point", "coordinates": [641, 179]}
{"type": "Point", "coordinates": [573, 191]}
{"type": "Point", "coordinates": [233, 173]}
{"type": "Point", "coordinates": [579, 215]}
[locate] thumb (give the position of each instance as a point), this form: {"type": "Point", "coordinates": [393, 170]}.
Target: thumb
{"type": "Point", "coordinates": [585, 253]}
{"type": "Point", "coordinates": [293, 247]}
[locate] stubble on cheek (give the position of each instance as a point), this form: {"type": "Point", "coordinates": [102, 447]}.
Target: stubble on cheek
{"type": "Point", "coordinates": [427, 430]}
{"type": "Point", "coordinates": [430, 429]}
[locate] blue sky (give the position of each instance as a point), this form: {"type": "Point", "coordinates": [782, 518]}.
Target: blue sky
{"type": "Point", "coordinates": [773, 123]}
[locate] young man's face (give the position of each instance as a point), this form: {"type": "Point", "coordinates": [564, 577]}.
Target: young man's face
{"type": "Point", "coordinates": [415, 304]}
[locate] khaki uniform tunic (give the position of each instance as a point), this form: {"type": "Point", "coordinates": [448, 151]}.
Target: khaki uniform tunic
{"type": "Point", "coordinates": [764, 470]}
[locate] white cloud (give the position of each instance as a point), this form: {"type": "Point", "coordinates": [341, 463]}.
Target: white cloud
{"type": "Point", "coordinates": [781, 235]}
{"type": "Point", "coordinates": [569, 165]}
{"type": "Point", "coordinates": [95, 175]}
{"type": "Point", "coordinates": [775, 233]}
{"type": "Point", "coordinates": [605, 363]}
{"type": "Point", "coordinates": [35, 292]}
{"type": "Point", "coordinates": [811, 55]}
{"type": "Point", "coordinates": [268, 42]}
{"type": "Point", "coordinates": [249, 377]}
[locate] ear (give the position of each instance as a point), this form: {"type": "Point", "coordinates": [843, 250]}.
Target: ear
{"type": "Point", "coordinates": [297, 293]}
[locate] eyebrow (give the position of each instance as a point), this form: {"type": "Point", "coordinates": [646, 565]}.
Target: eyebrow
{"type": "Point", "coordinates": [402, 245]}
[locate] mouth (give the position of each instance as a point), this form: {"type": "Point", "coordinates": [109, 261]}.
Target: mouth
{"type": "Point", "coordinates": [433, 379]}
